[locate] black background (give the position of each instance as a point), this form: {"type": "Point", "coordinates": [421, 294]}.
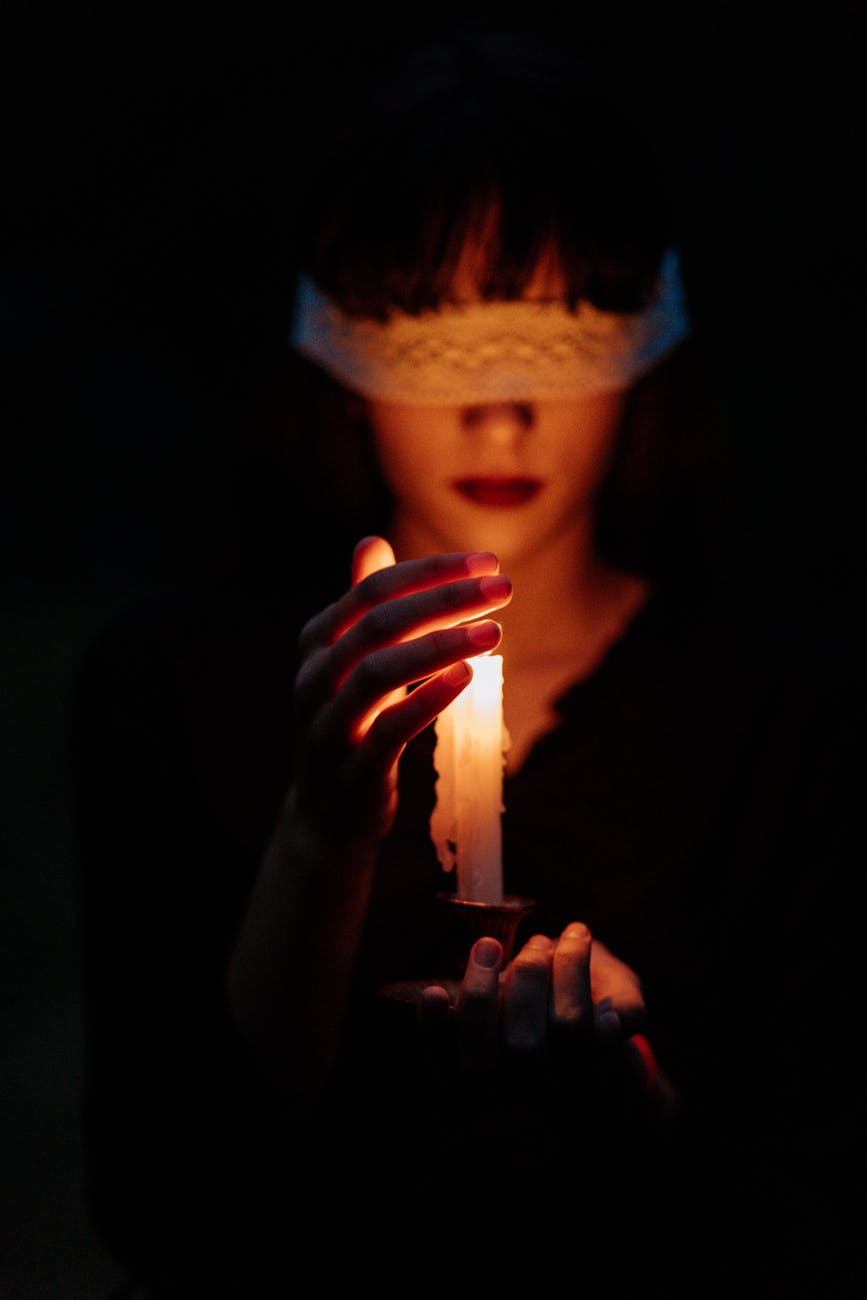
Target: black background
{"type": "Point", "coordinates": [147, 172]}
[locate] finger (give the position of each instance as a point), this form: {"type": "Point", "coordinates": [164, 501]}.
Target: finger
{"type": "Point", "coordinates": [434, 1019]}
{"type": "Point", "coordinates": [370, 555]}
{"type": "Point", "coordinates": [571, 1001]}
{"type": "Point", "coordinates": [619, 1007]}
{"type": "Point", "coordinates": [526, 996]}
{"type": "Point", "coordinates": [397, 723]}
{"type": "Point", "coordinates": [406, 621]}
{"type": "Point", "coordinates": [388, 583]}
{"type": "Point", "coordinates": [477, 1005]}
{"type": "Point", "coordinates": [368, 774]}
{"type": "Point", "coordinates": [606, 1021]}
{"type": "Point", "coordinates": [434, 1006]}
{"type": "Point", "coordinates": [434, 1014]}
{"type": "Point", "coordinates": [354, 743]}
{"type": "Point", "coordinates": [365, 690]}
{"type": "Point", "coordinates": [443, 606]}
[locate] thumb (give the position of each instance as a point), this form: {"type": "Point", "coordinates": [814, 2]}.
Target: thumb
{"type": "Point", "coordinates": [477, 1005]}
{"type": "Point", "coordinates": [370, 554]}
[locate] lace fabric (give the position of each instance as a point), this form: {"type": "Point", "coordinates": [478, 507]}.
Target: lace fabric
{"type": "Point", "coordinates": [491, 351]}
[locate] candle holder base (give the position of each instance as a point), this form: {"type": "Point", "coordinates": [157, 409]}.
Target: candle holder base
{"type": "Point", "coordinates": [468, 921]}
{"type": "Point", "coordinates": [471, 921]}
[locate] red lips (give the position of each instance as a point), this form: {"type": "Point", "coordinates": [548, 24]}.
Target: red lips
{"type": "Point", "coordinates": [498, 491]}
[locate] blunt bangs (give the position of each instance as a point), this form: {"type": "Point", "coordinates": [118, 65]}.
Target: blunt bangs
{"type": "Point", "coordinates": [507, 149]}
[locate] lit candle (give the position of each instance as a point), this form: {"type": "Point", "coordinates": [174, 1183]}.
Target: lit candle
{"type": "Point", "coordinates": [466, 823]}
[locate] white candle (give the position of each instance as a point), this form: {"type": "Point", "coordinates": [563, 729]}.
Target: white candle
{"type": "Point", "coordinates": [466, 824]}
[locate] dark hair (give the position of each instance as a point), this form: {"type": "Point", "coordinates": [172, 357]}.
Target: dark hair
{"type": "Point", "coordinates": [407, 165]}
{"type": "Point", "coordinates": [487, 121]}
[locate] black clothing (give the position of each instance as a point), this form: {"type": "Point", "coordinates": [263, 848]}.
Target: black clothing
{"type": "Point", "coordinates": [693, 808]}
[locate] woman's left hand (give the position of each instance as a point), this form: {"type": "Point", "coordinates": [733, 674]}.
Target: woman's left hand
{"type": "Point", "coordinates": [561, 1004]}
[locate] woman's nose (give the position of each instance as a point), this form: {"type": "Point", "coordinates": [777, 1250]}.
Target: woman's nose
{"type": "Point", "coordinates": [501, 422]}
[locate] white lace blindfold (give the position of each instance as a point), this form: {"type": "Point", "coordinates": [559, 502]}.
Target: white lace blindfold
{"type": "Point", "coordinates": [491, 351]}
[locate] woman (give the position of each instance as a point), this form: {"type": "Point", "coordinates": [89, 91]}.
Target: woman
{"type": "Point", "coordinates": [490, 314]}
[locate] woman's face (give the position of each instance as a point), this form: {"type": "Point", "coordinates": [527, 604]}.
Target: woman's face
{"type": "Point", "coordinates": [503, 476]}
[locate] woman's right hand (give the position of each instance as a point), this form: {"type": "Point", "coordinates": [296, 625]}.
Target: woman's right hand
{"type": "Point", "coordinates": [397, 625]}
{"type": "Point", "coordinates": [566, 1018]}
{"type": "Point", "coordinates": [416, 622]}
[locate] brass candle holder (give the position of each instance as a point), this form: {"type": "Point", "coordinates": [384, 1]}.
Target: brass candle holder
{"type": "Point", "coordinates": [468, 921]}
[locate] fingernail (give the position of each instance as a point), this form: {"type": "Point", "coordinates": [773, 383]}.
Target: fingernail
{"type": "Point", "coordinates": [487, 952]}
{"type": "Point", "coordinates": [540, 941]}
{"type": "Point", "coordinates": [457, 674]}
{"type": "Point", "coordinates": [606, 1020]}
{"type": "Point", "coordinates": [484, 636]}
{"type": "Point", "coordinates": [482, 562]}
{"type": "Point", "coordinates": [434, 996]}
{"type": "Point", "coordinates": [495, 588]}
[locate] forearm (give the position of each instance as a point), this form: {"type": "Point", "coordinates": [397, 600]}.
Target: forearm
{"type": "Point", "coordinates": [292, 965]}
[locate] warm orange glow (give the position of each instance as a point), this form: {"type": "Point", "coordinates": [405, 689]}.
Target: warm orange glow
{"type": "Point", "coordinates": [486, 692]}
{"type": "Point", "coordinates": [466, 822]}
